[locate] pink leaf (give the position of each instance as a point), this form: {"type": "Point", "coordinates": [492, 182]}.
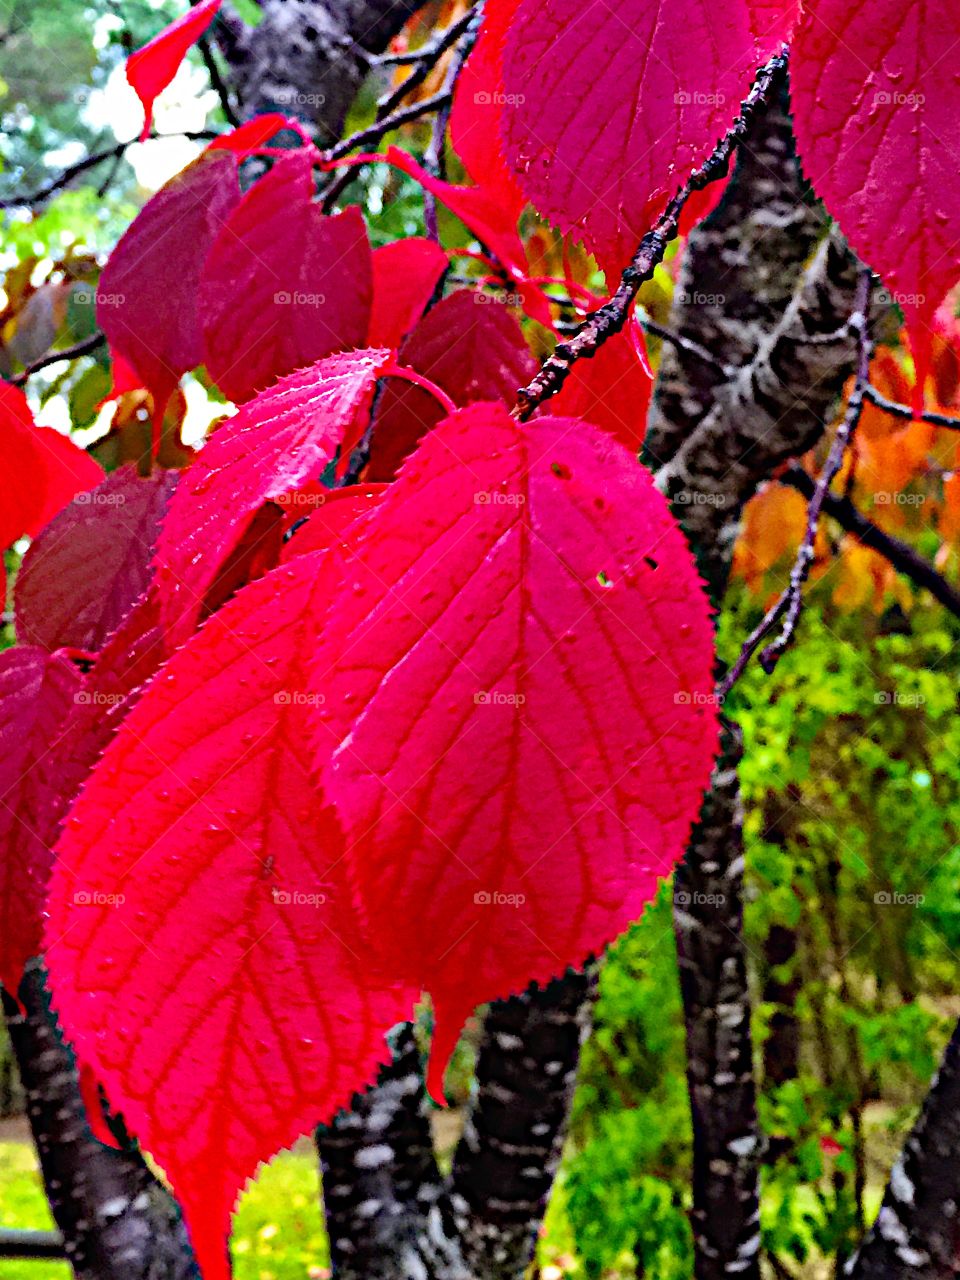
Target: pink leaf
{"type": "Point", "coordinates": [608, 108]}
{"type": "Point", "coordinates": [518, 696]}
{"type": "Point", "coordinates": [90, 564]}
{"type": "Point", "coordinates": [150, 69]}
{"type": "Point", "coordinates": [277, 442]}
{"type": "Point", "coordinates": [284, 284]}
{"type": "Point", "coordinates": [871, 89]}
{"type": "Point", "coordinates": [612, 390]}
{"type": "Point", "coordinates": [475, 121]}
{"type": "Point", "coordinates": [147, 296]}
{"type": "Point", "coordinates": [37, 690]}
{"type": "Point", "coordinates": [204, 953]}
{"type": "Point", "coordinates": [405, 275]}
{"type": "Point", "coordinates": [471, 346]}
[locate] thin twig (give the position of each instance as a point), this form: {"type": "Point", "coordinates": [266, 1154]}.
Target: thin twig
{"type": "Point", "coordinates": [687, 345]}
{"type": "Point", "coordinates": [90, 162]}
{"type": "Point", "coordinates": [374, 132]}
{"type": "Point", "coordinates": [900, 554]}
{"type": "Point", "coordinates": [904, 411]}
{"type": "Point", "coordinates": [217, 80]}
{"type": "Point", "coordinates": [434, 156]}
{"type": "Point", "coordinates": [83, 348]}
{"type": "Point", "coordinates": [612, 316]}
{"type": "Point", "coordinates": [430, 50]}
{"type": "Point", "coordinates": [786, 609]}
{"type": "Point", "coordinates": [424, 60]}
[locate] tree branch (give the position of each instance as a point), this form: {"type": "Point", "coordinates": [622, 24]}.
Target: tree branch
{"type": "Point", "coordinates": [612, 316]}
{"type": "Point", "coordinates": [904, 411]}
{"type": "Point", "coordinates": [84, 348]}
{"type": "Point", "coordinates": [900, 554]}
{"type": "Point", "coordinates": [90, 162]}
{"type": "Point", "coordinates": [787, 607]}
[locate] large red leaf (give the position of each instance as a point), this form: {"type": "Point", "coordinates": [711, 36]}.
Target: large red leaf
{"type": "Point", "coordinates": [607, 108]}
{"type": "Point", "coordinates": [874, 88]}
{"type": "Point", "coordinates": [469, 345]}
{"type": "Point", "coordinates": [276, 443]}
{"type": "Point", "coordinates": [37, 692]}
{"type": "Point", "coordinates": [475, 131]}
{"type": "Point", "coordinates": [284, 284]}
{"type": "Point", "coordinates": [91, 563]}
{"type": "Point", "coordinates": [612, 389]}
{"type": "Point", "coordinates": [203, 953]}
{"type": "Point", "coordinates": [150, 69]}
{"type": "Point", "coordinates": [405, 275]}
{"type": "Point", "coordinates": [42, 469]}
{"type": "Point", "coordinates": [518, 691]}
{"type": "Point", "coordinates": [147, 296]}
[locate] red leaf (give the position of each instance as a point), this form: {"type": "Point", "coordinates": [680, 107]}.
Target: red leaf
{"type": "Point", "coordinates": [147, 296]}
{"type": "Point", "coordinates": [608, 108]}
{"type": "Point", "coordinates": [252, 136]}
{"type": "Point", "coordinates": [123, 378]}
{"type": "Point", "coordinates": [475, 122]}
{"type": "Point", "coordinates": [150, 69]}
{"type": "Point", "coordinates": [67, 471]}
{"type": "Point", "coordinates": [869, 114]}
{"type": "Point", "coordinates": [82, 732]}
{"type": "Point", "coordinates": [22, 477]}
{"type": "Point", "coordinates": [482, 212]}
{"type": "Point", "coordinates": [284, 285]}
{"type": "Point", "coordinates": [88, 567]}
{"type": "Point", "coordinates": [612, 390]}
{"type": "Point", "coordinates": [214, 977]}
{"type": "Point", "coordinates": [277, 442]}
{"type": "Point", "coordinates": [325, 526]}
{"type": "Point", "coordinates": [43, 470]}
{"type": "Point", "coordinates": [518, 683]}
{"type": "Point", "coordinates": [473, 348]}
{"type": "Point", "coordinates": [405, 275]}
{"type": "Point", "coordinates": [36, 694]}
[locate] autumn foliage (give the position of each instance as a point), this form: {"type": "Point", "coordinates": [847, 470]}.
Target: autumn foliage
{"type": "Point", "coordinates": [267, 777]}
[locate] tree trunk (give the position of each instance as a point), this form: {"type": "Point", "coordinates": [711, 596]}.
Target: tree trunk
{"type": "Point", "coordinates": [308, 58]}
{"type": "Point", "coordinates": [917, 1231]}
{"type": "Point", "coordinates": [508, 1156]}
{"type": "Point", "coordinates": [778, 335]}
{"type": "Point", "coordinates": [117, 1221]}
